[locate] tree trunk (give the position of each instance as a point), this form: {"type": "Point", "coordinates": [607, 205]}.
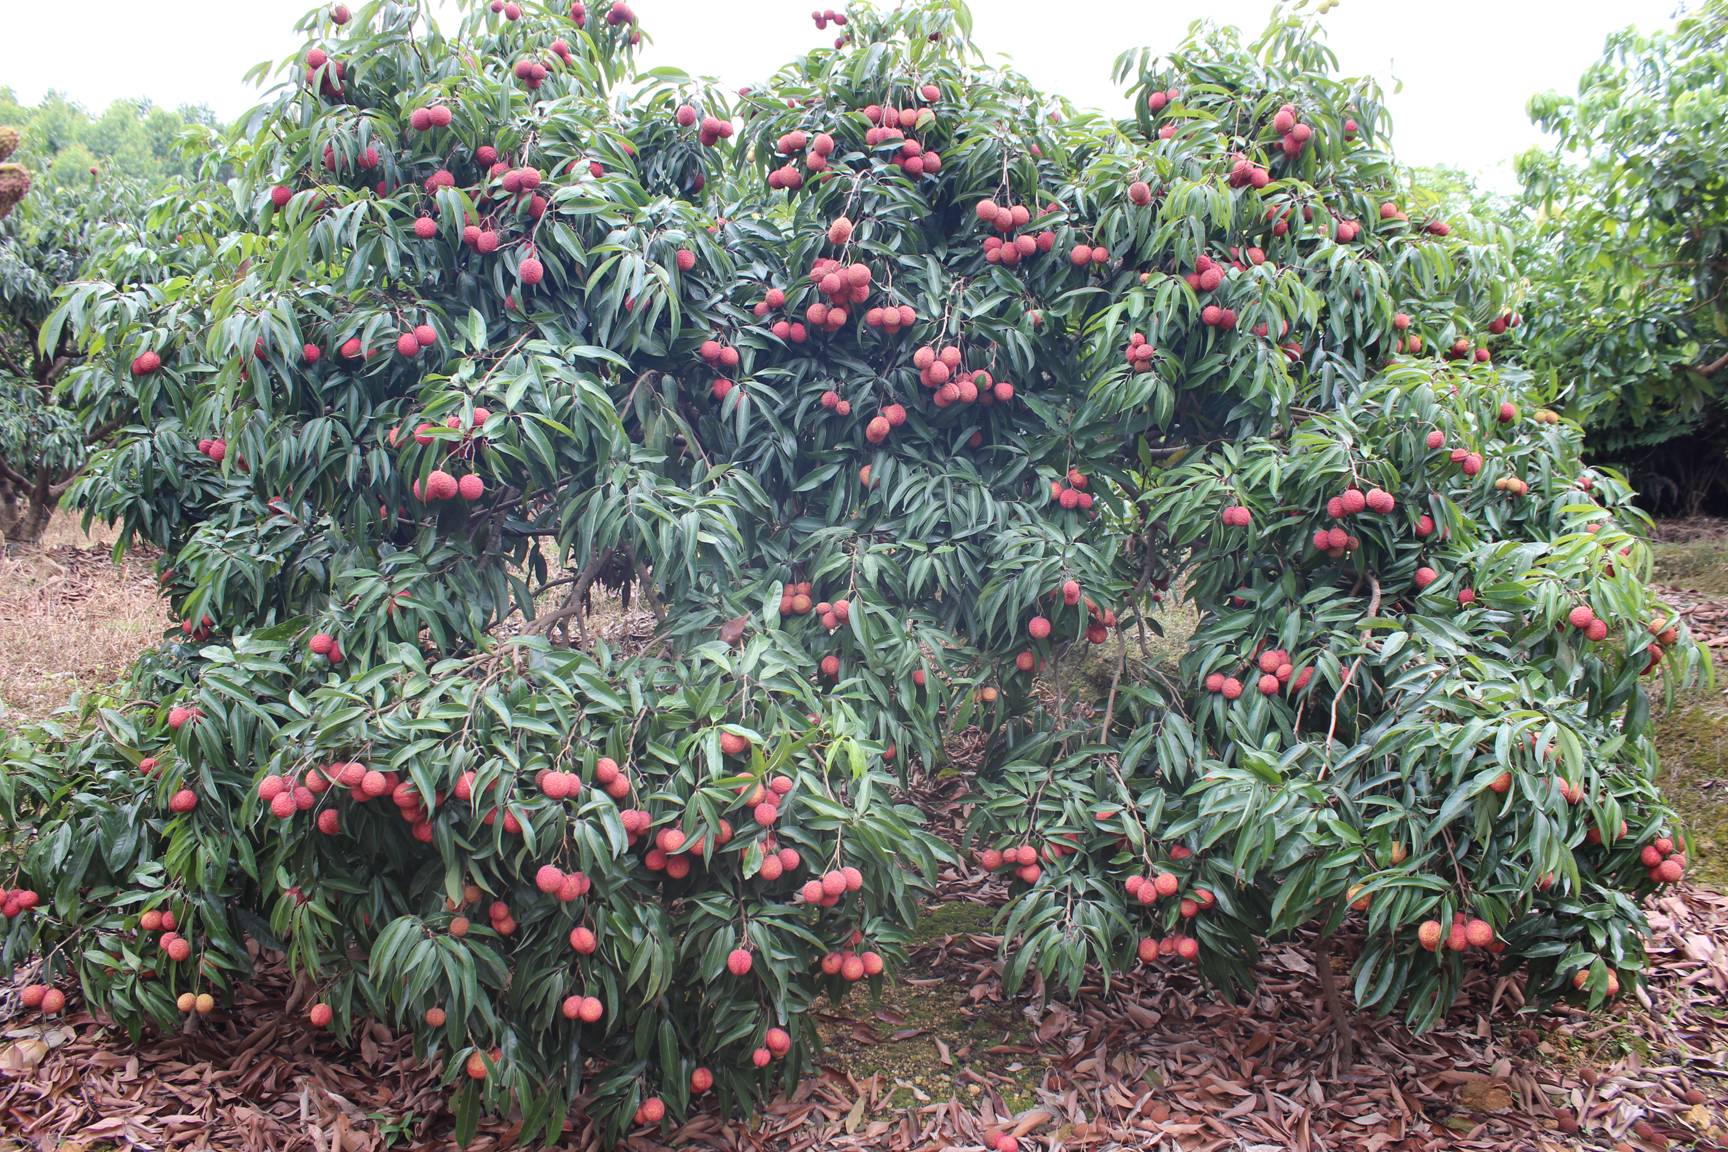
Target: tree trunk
{"type": "Point", "coordinates": [1342, 1024]}
{"type": "Point", "coordinates": [9, 508]}
{"type": "Point", "coordinates": [43, 499]}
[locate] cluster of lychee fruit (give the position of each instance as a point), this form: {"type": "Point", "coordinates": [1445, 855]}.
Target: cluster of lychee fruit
{"type": "Point", "coordinates": [1465, 933]}
{"type": "Point", "coordinates": [776, 1043]}
{"type": "Point", "coordinates": [764, 801]}
{"type": "Point", "coordinates": [14, 178]}
{"type": "Point", "coordinates": [832, 887]}
{"type": "Point", "coordinates": [1666, 864]}
{"type": "Point", "coordinates": [776, 860]}
{"type": "Point", "coordinates": [712, 130]}
{"type": "Point", "coordinates": [674, 853]}
{"type": "Point", "coordinates": [200, 1003]}
{"type": "Point", "coordinates": [1148, 890]}
{"type": "Point", "coordinates": [1469, 463]}
{"type": "Point", "coordinates": [842, 285]}
{"type": "Point", "coordinates": [1236, 516]}
{"type": "Point", "coordinates": [44, 997]}
{"type": "Point", "coordinates": [1276, 671]}
{"type": "Point", "coordinates": [852, 966]}
{"type": "Point", "coordinates": [213, 449]}
{"type": "Point", "coordinates": [587, 1009]}
{"type": "Point", "coordinates": [440, 486]}
{"type": "Point", "coordinates": [889, 124]}
{"type": "Point", "coordinates": [940, 370]}
{"type": "Point", "coordinates": [1023, 858]}
{"type": "Point", "coordinates": [1583, 619]}
{"type": "Point", "coordinates": [832, 401]}
{"type": "Point", "coordinates": [327, 72]}
{"type": "Point", "coordinates": [1156, 102]}
{"type": "Point", "coordinates": [146, 362]}
{"type": "Point", "coordinates": [1666, 637]}
{"type": "Point", "coordinates": [1083, 255]}
{"type": "Point", "coordinates": [1294, 135]}
{"type": "Point", "coordinates": [163, 925]}
{"type": "Point", "coordinates": [1401, 323]}
{"type": "Point", "coordinates": [1070, 492]}
{"type": "Point", "coordinates": [14, 902]}
{"type": "Point", "coordinates": [1461, 350]}
{"type": "Point", "coordinates": [1006, 218]}
{"type": "Point", "coordinates": [788, 175]}
{"type": "Point", "coordinates": [792, 331]}
{"type": "Point", "coordinates": [1516, 485]}
{"type": "Point", "coordinates": [410, 343]}
{"type": "Point", "coordinates": [1139, 352]}
{"type": "Point", "coordinates": [566, 887]}
{"type": "Point", "coordinates": [795, 600]}
{"type": "Point", "coordinates": [1244, 173]}
{"type": "Point", "coordinates": [517, 189]}
{"type": "Point", "coordinates": [890, 418]}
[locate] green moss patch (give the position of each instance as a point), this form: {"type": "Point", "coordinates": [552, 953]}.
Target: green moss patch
{"type": "Point", "coordinates": [1699, 564]}
{"type": "Point", "coordinates": [1693, 742]}
{"type": "Point", "coordinates": [926, 1036]}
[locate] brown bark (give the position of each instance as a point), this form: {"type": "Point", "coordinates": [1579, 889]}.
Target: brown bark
{"type": "Point", "coordinates": [25, 525]}
{"type": "Point", "coordinates": [1343, 1030]}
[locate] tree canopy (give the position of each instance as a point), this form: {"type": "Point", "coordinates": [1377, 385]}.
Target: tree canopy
{"type": "Point", "coordinates": [1629, 257]}
{"type": "Point", "coordinates": [904, 393]}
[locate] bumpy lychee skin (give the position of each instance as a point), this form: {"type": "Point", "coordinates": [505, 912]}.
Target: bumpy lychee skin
{"type": "Point", "coordinates": [440, 485]}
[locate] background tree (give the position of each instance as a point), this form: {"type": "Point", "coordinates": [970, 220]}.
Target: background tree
{"type": "Point", "coordinates": [133, 140]}
{"type": "Point", "coordinates": [94, 179]}
{"type": "Point", "coordinates": [897, 387]}
{"type": "Point", "coordinates": [1630, 258]}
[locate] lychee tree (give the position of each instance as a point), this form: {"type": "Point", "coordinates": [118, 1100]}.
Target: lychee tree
{"type": "Point", "coordinates": [894, 387]}
{"type": "Point", "coordinates": [1626, 259]}
{"type": "Point", "coordinates": [1421, 683]}
{"type": "Point", "coordinates": [50, 419]}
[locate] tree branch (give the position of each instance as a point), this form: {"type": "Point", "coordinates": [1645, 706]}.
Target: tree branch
{"type": "Point", "coordinates": [572, 605]}
{"type": "Point", "coordinates": [1344, 684]}
{"type": "Point", "coordinates": [1713, 367]}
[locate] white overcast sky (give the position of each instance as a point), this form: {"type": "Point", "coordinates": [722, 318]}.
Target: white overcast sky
{"type": "Point", "coordinates": [1466, 67]}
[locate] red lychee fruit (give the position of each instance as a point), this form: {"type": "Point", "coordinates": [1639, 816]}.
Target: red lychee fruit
{"type": "Point", "coordinates": [440, 485]}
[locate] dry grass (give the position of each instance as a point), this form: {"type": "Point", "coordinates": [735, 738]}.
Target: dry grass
{"type": "Point", "coordinates": [70, 618]}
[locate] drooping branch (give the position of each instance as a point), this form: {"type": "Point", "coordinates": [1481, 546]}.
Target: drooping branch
{"type": "Point", "coordinates": [572, 606]}
{"type": "Point", "coordinates": [1345, 681]}
{"type": "Point", "coordinates": [1714, 366]}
